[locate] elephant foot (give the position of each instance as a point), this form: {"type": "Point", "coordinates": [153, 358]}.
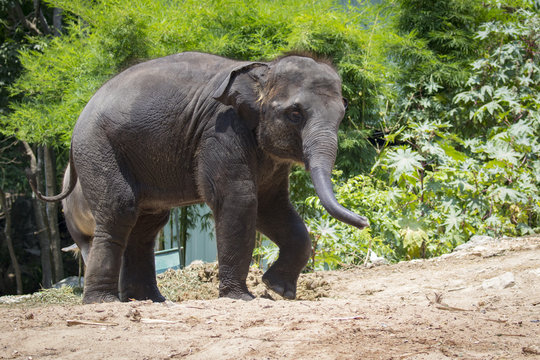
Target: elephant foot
{"type": "Point", "coordinates": [157, 298]}
{"type": "Point", "coordinates": [98, 297]}
{"type": "Point", "coordinates": [239, 296]}
{"type": "Point", "coordinates": [154, 298]}
{"type": "Point", "coordinates": [279, 283]}
{"type": "Point", "coordinates": [142, 294]}
{"type": "Point", "coordinates": [234, 293]}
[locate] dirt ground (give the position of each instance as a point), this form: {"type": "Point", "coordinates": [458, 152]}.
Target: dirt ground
{"type": "Point", "coordinates": [479, 303]}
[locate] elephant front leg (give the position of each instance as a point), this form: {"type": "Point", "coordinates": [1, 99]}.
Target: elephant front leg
{"type": "Point", "coordinates": [278, 220]}
{"type": "Point", "coordinates": [227, 183]}
{"type": "Point", "coordinates": [235, 235]}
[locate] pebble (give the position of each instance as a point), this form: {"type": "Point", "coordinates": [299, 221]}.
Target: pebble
{"type": "Point", "coordinates": [500, 282]}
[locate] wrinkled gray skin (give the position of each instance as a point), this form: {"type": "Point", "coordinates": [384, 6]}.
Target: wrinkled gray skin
{"type": "Point", "coordinates": [192, 128]}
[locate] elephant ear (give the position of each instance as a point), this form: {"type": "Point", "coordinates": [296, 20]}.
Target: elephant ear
{"type": "Point", "coordinates": [241, 90]}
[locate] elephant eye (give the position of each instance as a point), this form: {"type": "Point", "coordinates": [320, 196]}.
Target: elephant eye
{"type": "Point", "coordinates": [345, 103]}
{"type": "Point", "coordinates": [295, 116]}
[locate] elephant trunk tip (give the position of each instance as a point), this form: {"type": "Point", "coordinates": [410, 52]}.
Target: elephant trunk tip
{"type": "Point", "coordinates": [348, 217]}
{"type": "Point", "coordinates": [363, 222]}
{"type": "Point", "coordinates": [323, 187]}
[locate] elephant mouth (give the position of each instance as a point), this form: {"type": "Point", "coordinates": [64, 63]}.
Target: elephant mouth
{"type": "Point", "coordinates": [306, 163]}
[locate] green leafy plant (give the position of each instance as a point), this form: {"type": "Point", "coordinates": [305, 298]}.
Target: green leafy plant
{"type": "Point", "coordinates": [459, 160]}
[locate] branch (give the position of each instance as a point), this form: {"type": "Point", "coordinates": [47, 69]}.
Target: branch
{"type": "Point", "coordinates": [4, 160]}
{"type": "Point", "coordinates": [8, 146]}
{"type": "Point", "coordinates": [17, 14]}
{"type": "Point", "coordinates": [39, 15]}
{"type": "Point", "coordinates": [30, 154]}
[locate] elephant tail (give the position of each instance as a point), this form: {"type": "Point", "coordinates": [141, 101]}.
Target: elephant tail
{"type": "Point", "coordinates": [32, 179]}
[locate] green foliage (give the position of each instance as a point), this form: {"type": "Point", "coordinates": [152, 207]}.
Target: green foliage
{"type": "Point", "coordinates": [103, 37]}
{"type": "Point", "coordinates": [15, 36]}
{"type": "Point", "coordinates": [267, 251]}
{"type": "Point", "coordinates": [447, 26]}
{"type": "Point", "coordinates": [356, 152]}
{"type": "Point", "coordinates": [9, 68]}
{"type": "Point", "coordinates": [336, 245]}
{"type": "Point", "coordinates": [478, 176]}
{"type": "Point", "coordinates": [463, 158]}
{"type": "Point", "coordinates": [442, 42]}
{"type": "Point", "coordinates": [503, 89]}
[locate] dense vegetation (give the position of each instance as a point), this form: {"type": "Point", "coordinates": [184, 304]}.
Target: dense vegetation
{"type": "Point", "coordinates": [441, 138]}
{"type": "Point", "coordinates": [460, 159]}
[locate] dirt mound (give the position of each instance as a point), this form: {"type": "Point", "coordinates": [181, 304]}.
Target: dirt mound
{"type": "Point", "coordinates": [200, 281]}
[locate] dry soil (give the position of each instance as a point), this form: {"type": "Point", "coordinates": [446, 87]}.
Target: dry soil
{"type": "Point", "coordinates": [478, 303]}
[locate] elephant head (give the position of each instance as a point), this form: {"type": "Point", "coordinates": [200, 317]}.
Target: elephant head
{"type": "Point", "coordinates": [295, 106]}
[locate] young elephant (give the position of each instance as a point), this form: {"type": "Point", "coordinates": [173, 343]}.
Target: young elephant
{"type": "Point", "coordinates": [191, 128]}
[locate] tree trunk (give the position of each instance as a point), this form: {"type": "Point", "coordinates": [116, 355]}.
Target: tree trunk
{"type": "Point", "coordinates": [183, 235]}
{"type": "Point", "coordinates": [52, 213]}
{"type": "Point", "coordinates": [39, 16]}
{"type": "Point", "coordinates": [57, 21]}
{"type": "Point", "coordinates": [16, 13]}
{"type": "Point", "coordinates": [42, 232]}
{"type": "Point", "coordinates": [9, 241]}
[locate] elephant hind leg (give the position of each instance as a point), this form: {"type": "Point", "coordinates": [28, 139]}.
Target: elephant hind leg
{"type": "Point", "coordinates": [138, 273]}
{"type": "Point", "coordinates": [115, 215]}
{"type": "Point", "coordinates": [103, 268]}
{"type": "Point", "coordinates": [112, 196]}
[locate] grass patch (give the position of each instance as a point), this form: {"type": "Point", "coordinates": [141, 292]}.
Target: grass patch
{"type": "Point", "coordinates": [66, 295]}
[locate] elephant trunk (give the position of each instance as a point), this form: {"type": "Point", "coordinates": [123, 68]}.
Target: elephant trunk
{"type": "Point", "coordinates": [323, 187]}
{"type": "Point", "coordinates": [320, 151]}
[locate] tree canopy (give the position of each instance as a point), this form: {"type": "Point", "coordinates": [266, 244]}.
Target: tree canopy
{"type": "Point", "coordinates": [102, 38]}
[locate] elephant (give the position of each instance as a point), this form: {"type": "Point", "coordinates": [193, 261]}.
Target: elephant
{"type": "Point", "coordinates": [191, 128]}
{"type": "Point", "coordinates": [79, 219]}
